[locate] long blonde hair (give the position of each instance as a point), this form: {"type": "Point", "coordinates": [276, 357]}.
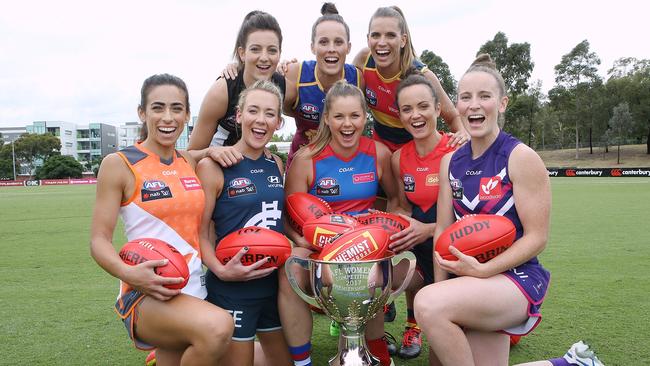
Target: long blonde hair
{"type": "Point", "coordinates": [324, 135]}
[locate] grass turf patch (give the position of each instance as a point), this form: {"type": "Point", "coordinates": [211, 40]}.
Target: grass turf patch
{"type": "Point", "coordinates": [56, 303]}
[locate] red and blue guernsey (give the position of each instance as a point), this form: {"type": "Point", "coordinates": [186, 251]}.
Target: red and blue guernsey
{"type": "Point", "coordinates": [483, 186]}
{"type": "Point", "coordinates": [380, 95]}
{"type": "Point", "coordinates": [420, 177]}
{"type": "Point", "coordinates": [421, 185]}
{"type": "Point", "coordinates": [349, 185]}
{"type": "Point", "coordinates": [310, 101]}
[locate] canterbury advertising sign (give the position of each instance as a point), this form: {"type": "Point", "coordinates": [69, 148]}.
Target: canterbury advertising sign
{"type": "Point", "coordinates": [598, 172]}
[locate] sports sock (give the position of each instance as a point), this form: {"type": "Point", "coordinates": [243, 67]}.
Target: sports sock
{"type": "Point", "coordinates": [410, 318]}
{"type": "Point", "coordinates": [379, 349]}
{"type": "Point", "coordinates": [301, 355]}
{"type": "Point", "coordinates": [559, 362]}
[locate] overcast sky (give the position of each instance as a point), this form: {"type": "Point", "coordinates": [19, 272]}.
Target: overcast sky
{"type": "Point", "coordinates": [84, 61]}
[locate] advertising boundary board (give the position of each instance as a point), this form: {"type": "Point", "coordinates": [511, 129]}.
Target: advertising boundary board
{"type": "Point", "coordinates": [598, 172]}
{"type": "Point", "coordinates": [46, 182]}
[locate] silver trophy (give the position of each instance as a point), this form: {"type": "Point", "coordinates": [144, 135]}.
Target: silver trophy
{"type": "Point", "coordinates": [351, 293]}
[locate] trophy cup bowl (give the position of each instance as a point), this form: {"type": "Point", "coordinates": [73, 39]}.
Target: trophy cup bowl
{"type": "Point", "coordinates": [350, 293]}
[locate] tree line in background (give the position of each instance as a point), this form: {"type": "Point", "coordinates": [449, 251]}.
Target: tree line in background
{"type": "Point", "coordinates": [40, 154]}
{"type": "Point", "coordinates": [581, 110]}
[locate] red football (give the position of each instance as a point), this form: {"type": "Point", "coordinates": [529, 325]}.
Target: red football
{"type": "Point", "coordinates": [302, 206]}
{"type": "Point", "coordinates": [390, 222]}
{"type": "Point", "coordinates": [482, 236]}
{"type": "Point", "coordinates": [147, 249]}
{"type": "Point", "coordinates": [319, 231]}
{"type": "Point", "coordinates": [261, 243]}
{"type": "Point", "coordinates": [363, 243]}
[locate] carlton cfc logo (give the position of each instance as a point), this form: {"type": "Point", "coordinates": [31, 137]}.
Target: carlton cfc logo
{"type": "Point", "coordinates": [240, 182]}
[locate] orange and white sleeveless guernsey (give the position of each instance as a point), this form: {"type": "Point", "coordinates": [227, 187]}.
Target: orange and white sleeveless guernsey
{"type": "Point", "coordinates": [167, 204]}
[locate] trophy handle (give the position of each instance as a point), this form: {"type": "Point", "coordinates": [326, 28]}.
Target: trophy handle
{"type": "Point", "coordinates": [409, 274]}
{"type": "Point", "coordinates": [304, 264]}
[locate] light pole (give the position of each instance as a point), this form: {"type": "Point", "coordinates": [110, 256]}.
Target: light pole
{"type": "Point", "coordinates": [13, 156]}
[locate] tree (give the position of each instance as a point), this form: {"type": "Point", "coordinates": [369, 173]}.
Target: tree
{"type": "Point", "coordinates": [59, 166]}
{"type": "Point", "coordinates": [274, 150]}
{"type": "Point", "coordinates": [629, 81]}
{"type": "Point", "coordinates": [6, 162]}
{"type": "Point", "coordinates": [513, 62]}
{"type": "Point", "coordinates": [441, 70]}
{"type": "Point", "coordinates": [579, 65]}
{"type": "Point", "coordinates": [621, 122]}
{"type": "Point", "coordinates": [31, 147]}
{"type": "Point", "coordinates": [2, 141]}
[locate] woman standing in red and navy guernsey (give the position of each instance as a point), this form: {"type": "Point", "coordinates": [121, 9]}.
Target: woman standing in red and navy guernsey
{"type": "Point", "coordinates": [389, 56]}
{"type": "Point", "coordinates": [345, 169]}
{"type": "Point", "coordinates": [467, 318]}
{"type": "Point", "coordinates": [185, 329]}
{"type": "Point", "coordinates": [250, 193]}
{"type": "Point", "coordinates": [416, 165]}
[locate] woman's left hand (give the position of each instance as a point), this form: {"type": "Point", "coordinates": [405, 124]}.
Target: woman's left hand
{"type": "Point", "coordinates": [414, 234]}
{"type": "Point", "coordinates": [458, 138]}
{"type": "Point", "coordinates": [465, 265]}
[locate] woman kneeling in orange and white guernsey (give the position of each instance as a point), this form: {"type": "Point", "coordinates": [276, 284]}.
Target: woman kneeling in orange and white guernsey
{"type": "Point", "coordinates": [180, 324]}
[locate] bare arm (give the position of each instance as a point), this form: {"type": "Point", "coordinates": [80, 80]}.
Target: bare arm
{"type": "Point", "coordinates": [448, 111]}
{"type": "Point", "coordinates": [360, 58]}
{"type": "Point", "coordinates": [532, 194]}
{"type": "Point", "coordinates": [114, 184]}
{"type": "Point", "coordinates": [444, 213]}
{"type": "Point", "coordinates": [213, 109]}
{"type": "Point", "coordinates": [298, 179]}
{"type": "Point", "coordinates": [291, 78]}
{"type": "Point", "coordinates": [387, 178]}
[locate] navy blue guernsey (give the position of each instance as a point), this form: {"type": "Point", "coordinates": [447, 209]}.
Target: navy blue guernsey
{"type": "Point", "coordinates": [252, 195]}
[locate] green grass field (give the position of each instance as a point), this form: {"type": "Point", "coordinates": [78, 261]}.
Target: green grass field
{"type": "Point", "coordinates": [56, 303]}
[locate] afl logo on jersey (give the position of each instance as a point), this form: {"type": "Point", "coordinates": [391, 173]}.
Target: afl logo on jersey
{"type": "Point", "coordinates": [409, 183]}
{"type": "Point", "coordinates": [371, 97]}
{"type": "Point", "coordinates": [154, 190]}
{"type": "Point", "coordinates": [328, 187]}
{"type": "Point", "coordinates": [310, 112]}
{"type": "Point", "coordinates": [309, 108]}
{"type": "Point", "coordinates": [241, 186]}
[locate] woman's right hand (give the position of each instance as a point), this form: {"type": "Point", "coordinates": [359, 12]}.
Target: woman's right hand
{"type": "Point", "coordinates": [143, 278]}
{"type": "Point", "coordinates": [283, 66]}
{"type": "Point", "coordinates": [230, 71]}
{"type": "Point", "coordinates": [225, 156]}
{"type": "Point", "coordinates": [234, 270]}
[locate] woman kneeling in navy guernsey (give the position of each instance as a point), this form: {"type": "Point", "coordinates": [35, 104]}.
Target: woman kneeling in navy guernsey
{"type": "Point", "coordinates": [467, 318]}
{"type": "Point", "coordinates": [247, 292]}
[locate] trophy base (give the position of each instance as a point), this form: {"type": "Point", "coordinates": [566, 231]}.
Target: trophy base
{"type": "Point", "coordinates": [353, 352]}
